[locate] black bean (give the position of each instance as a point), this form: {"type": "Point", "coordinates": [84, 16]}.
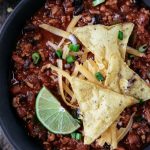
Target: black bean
{"type": "Point", "coordinates": [137, 2]}
{"type": "Point", "coordinates": [32, 41]}
{"type": "Point", "coordinates": [77, 3]}
{"type": "Point", "coordinates": [97, 19]}
{"type": "Point", "coordinates": [78, 10]}
{"type": "Point", "coordinates": [106, 146]}
{"type": "Point", "coordinates": [29, 28]}
{"type": "Point", "coordinates": [26, 64]}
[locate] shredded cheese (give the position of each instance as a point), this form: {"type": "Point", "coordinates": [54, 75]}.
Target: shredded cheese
{"type": "Point", "coordinates": [67, 90]}
{"type": "Point", "coordinates": [61, 42]}
{"type": "Point", "coordinates": [29, 84]}
{"type": "Point", "coordinates": [47, 66]}
{"type": "Point", "coordinates": [63, 73]}
{"type": "Point", "coordinates": [135, 52]}
{"type": "Point", "coordinates": [109, 137]}
{"type": "Point", "coordinates": [85, 49]}
{"type": "Point", "coordinates": [60, 65]}
{"type": "Point", "coordinates": [84, 57]}
{"type": "Point", "coordinates": [54, 46]}
{"type": "Point", "coordinates": [114, 142]}
{"type": "Point", "coordinates": [105, 138]}
{"type": "Point", "coordinates": [65, 51]}
{"type": "Point", "coordinates": [123, 131]}
{"type": "Point", "coordinates": [76, 53]}
{"type": "Point", "coordinates": [92, 66]}
{"type": "Point", "coordinates": [59, 32]}
{"type": "Point", "coordinates": [87, 74]}
{"type": "Point", "coordinates": [73, 100]}
{"type": "Point", "coordinates": [55, 30]}
{"type": "Point", "coordinates": [73, 23]}
{"type": "Point", "coordinates": [82, 77]}
{"type": "Point", "coordinates": [75, 72]}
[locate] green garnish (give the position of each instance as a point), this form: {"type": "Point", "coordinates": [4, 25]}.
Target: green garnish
{"type": "Point", "coordinates": [52, 115]}
{"type": "Point", "coordinates": [99, 76]}
{"type": "Point", "coordinates": [97, 2]}
{"type": "Point", "coordinates": [59, 53]}
{"type": "Point", "coordinates": [131, 56]}
{"type": "Point", "coordinates": [76, 136]}
{"type": "Point", "coordinates": [120, 35]}
{"type": "Point", "coordinates": [70, 59]}
{"type": "Point", "coordinates": [36, 57]}
{"type": "Point", "coordinates": [141, 101]}
{"type": "Point", "coordinates": [74, 47]}
{"type": "Point", "coordinates": [143, 48]}
{"type": "Point", "coordinates": [138, 118]}
{"type": "Point", "coordinates": [73, 135]}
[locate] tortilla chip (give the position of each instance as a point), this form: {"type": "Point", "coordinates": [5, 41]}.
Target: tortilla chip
{"type": "Point", "coordinates": [109, 137]}
{"type": "Point", "coordinates": [120, 78]}
{"type": "Point", "coordinates": [112, 75]}
{"type": "Point", "coordinates": [132, 84]}
{"type": "Point", "coordinates": [97, 38]}
{"type": "Point", "coordinates": [100, 107]}
{"type": "Point", "coordinates": [103, 42]}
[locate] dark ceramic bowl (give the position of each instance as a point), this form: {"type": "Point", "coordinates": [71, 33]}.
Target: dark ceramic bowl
{"type": "Point", "coordinates": [8, 36]}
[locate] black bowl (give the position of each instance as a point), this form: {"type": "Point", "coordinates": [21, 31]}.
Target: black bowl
{"type": "Point", "coordinates": [8, 36]}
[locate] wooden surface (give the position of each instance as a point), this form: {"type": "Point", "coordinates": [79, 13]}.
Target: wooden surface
{"type": "Point", "coordinates": [4, 5]}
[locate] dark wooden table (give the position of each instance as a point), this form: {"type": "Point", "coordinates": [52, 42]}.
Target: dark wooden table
{"type": "Point", "coordinates": [5, 7]}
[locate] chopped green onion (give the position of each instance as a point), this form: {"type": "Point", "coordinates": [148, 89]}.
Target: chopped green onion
{"type": "Point", "coordinates": [73, 135]}
{"type": "Point", "coordinates": [141, 101]}
{"type": "Point", "coordinates": [76, 136]}
{"type": "Point", "coordinates": [74, 47]}
{"type": "Point", "coordinates": [70, 59]}
{"type": "Point", "coordinates": [59, 53]}
{"type": "Point", "coordinates": [143, 48]}
{"type": "Point", "coordinates": [131, 56]}
{"type": "Point", "coordinates": [99, 76]}
{"type": "Point", "coordinates": [120, 35]}
{"type": "Point", "coordinates": [36, 58]}
{"type": "Point", "coordinates": [97, 2]}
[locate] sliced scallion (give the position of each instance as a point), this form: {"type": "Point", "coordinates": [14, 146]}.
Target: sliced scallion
{"type": "Point", "coordinates": [70, 59]}
{"type": "Point", "coordinates": [120, 35]}
{"type": "Point", "coordinates": [97, 2]}
{"type": "Point", "coordinates": [36, 58]}
{"type": "Point", "coordinates": [59, 53]}
{"type": "Point", "coordinates": [74, 47]}
{"type": "Point", "coordinates": [141, 101]}
{"type": "Point", "coordinates": [99, 76]}
{"type": "Point", "coordinates": [76, 136]}
{"type": "Point", "coordinates": [73, 135]}
{"type": "Point", "coordinates": [131, 56]}
{"type": "Point", "coordinates": [143, 48]}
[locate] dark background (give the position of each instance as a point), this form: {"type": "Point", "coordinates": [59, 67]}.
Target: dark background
{"type": "Point", "coordinates": [4, 5]}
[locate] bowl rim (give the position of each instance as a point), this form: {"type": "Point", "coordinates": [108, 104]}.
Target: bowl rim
{"type": "Point", "coordinates": [3, 30]}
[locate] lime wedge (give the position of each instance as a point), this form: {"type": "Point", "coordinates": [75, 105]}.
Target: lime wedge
{"type": "Point", "coordinates": [52, 115]}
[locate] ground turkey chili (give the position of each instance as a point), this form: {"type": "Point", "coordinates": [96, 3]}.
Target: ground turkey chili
{"type": "Point", "coordinates": [28, 79]}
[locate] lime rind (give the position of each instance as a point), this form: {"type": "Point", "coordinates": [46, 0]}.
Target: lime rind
{"type": "Point", "coordinates": [52, 115]}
